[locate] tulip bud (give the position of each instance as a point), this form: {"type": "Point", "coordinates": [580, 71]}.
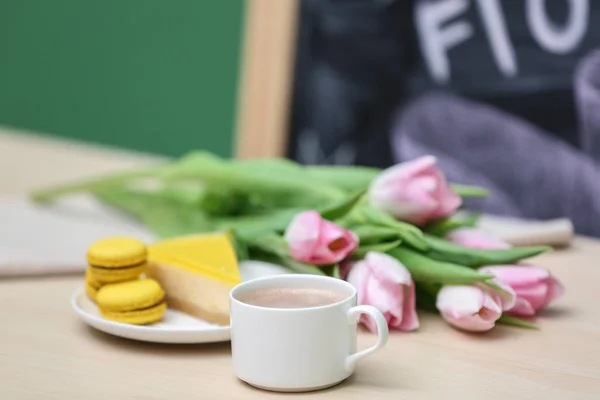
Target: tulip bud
{"type": "Point", "coordinates": [383, 282]}
{"type": "Point", "coordinates": [414, 191]}
{"type": "Point", "coordinates": [535, 287]}
{"type": "Point", "coordinates": [476, 239]}
{"type": "Point", "coordinates": [315, 240]}
{"type": "Point", "coordinates": [474, 308]}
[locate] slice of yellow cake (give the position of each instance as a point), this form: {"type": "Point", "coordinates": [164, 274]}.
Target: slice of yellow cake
{"type": "Point", "coordinates": [197, 272]}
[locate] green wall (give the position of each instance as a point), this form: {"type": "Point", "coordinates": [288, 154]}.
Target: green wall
{"type": "Point", "coordinates": [153, 75]}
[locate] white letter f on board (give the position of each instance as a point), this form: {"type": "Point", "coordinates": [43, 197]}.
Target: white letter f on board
{"type": "Point", "coordinates": [437, 39]}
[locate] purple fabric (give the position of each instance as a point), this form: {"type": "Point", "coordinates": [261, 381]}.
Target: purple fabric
{"type": "Point", "coordinates": [587, 96]}
{"type": "Point", "coordinates": [531, 173]}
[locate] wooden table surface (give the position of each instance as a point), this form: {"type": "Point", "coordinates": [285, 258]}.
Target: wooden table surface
{"type": "Point", "coordinates": [47, 353]}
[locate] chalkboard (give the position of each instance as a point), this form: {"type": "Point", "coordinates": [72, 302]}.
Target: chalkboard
{"type": "Point", "coordinates": [370, 74]}
{"type": "Point", "coordinates": [152, 75]}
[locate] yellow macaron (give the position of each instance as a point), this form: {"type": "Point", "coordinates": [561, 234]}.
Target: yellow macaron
{"type": "Point", "coordinates": [92, 285]}
{"type": "Point", "coordinates": [133, 302]}
{"type": "Point", "coordinates": [117, 259]}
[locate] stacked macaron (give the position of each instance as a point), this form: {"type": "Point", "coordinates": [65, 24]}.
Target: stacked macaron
{"type": "Point", "coordinates": [115, 281]}
{"type": "Point", "coordinates": [116, 259]}
{"type": "Point", "coordinates": [132, 302]}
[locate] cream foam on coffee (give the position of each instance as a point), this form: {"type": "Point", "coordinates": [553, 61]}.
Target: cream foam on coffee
{"type": "Point", "coordinates": [291, 297]}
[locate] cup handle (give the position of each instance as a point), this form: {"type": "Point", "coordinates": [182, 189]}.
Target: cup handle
{"type": "Point", "coordinates": [382, 332]}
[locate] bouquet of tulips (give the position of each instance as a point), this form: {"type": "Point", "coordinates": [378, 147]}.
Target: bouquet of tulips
{"type": "Point", "coordinates": [398, 235]}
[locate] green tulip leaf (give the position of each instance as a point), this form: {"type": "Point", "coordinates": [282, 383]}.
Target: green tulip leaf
{"type": "Point", "coordinates": [341, 209]}
{"type": "Point", "coordinates": [514, 321]}
{"type": "Point", "coordinates": [257, 225]}
{"type": "Point", "coordinates": [408, 233]}
{"type": "Point", "coordinates": [300, 267]}
{"type": "Point", "coordinates": [288, 262]}
{"type": "Point", "coordinates": [164, 216]}
{"type": "Point", "coordinates": [443, 250]}
{"type": "Point", "coordinates": [274, 249]}
{"type": "Point", "coordinates": [369, 234]}
{"type": "Point", "coordinates": [270, 243]}
{"type": "Point", "coordinates": [209, 169]}
{"type": "Point", "coordinates": [425, 269]}
{"type": "Point", "coordinates": [442, 227]}
{"type": "Point", "coordinates": [384, 247]}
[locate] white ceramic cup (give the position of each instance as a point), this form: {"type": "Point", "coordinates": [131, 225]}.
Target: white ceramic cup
{"type": "Point", "coordinates": [298, 349]}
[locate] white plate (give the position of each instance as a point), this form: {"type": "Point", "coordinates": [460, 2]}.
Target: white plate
{"type": "Point", "coordinates": [175, 327]}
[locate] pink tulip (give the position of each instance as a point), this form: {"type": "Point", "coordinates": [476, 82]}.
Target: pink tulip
{"type": "Point", "coordinates": [414, 191]}
{"type": "Point", "coordinates": [315, 240]}
{"type": "Point", "coordinates": [383, 282]}
{"type": "Point", "coordinates": [473, 308]}
{"type": "Point", "coordinates": [476, 239]}
{"type": "Point", "coordinates": [535, 287]}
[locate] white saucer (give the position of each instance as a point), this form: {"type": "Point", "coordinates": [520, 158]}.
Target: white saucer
{"type": "Point", "coordinates": [175, 327]}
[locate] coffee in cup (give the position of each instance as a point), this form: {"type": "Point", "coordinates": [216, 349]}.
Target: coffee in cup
{"type": "Point", "coordinates": [289, 297]}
